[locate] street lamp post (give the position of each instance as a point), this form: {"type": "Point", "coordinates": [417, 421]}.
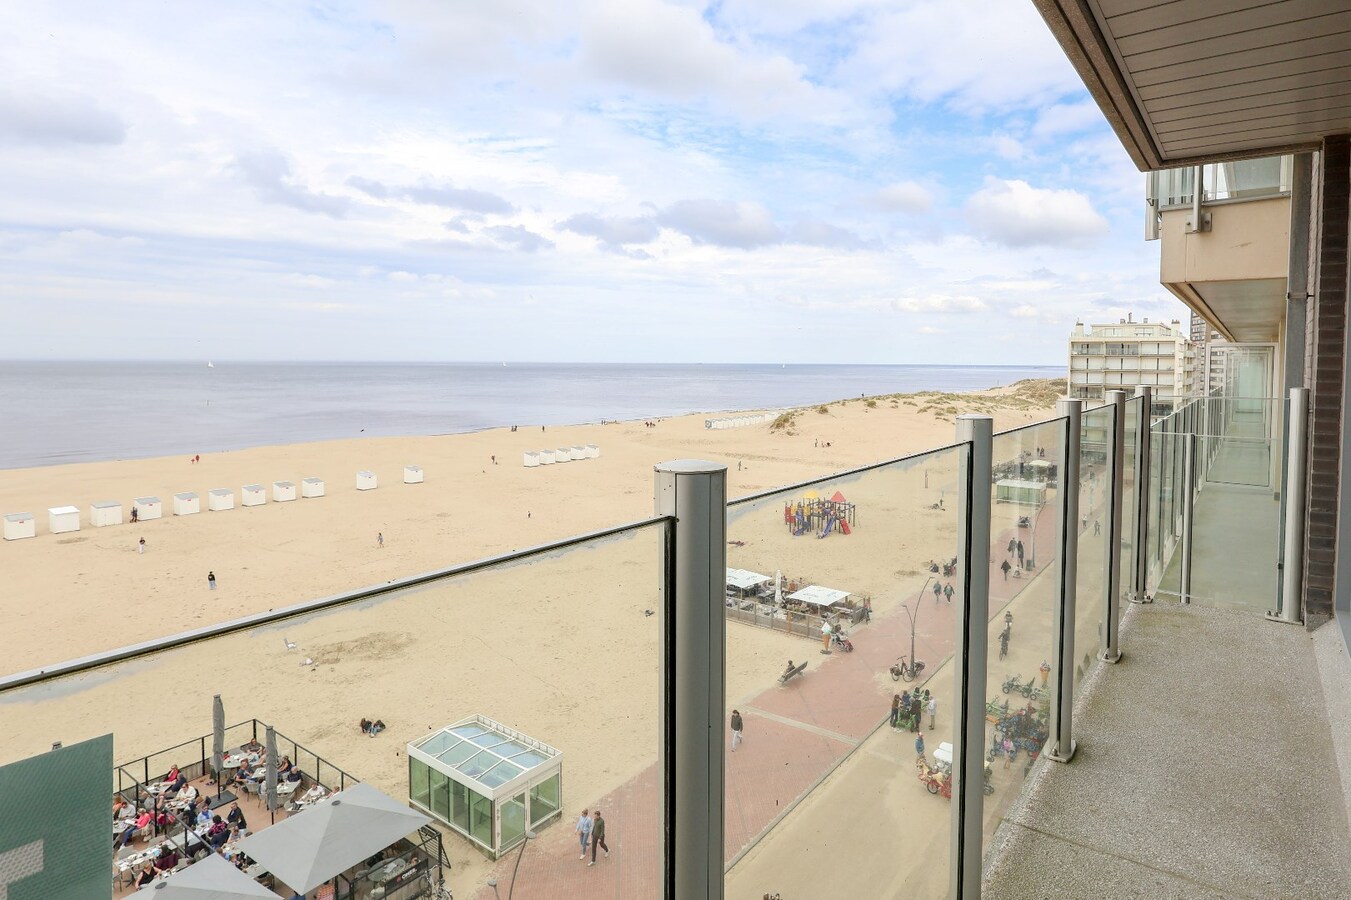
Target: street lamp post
{"type": "Point", "coordinates": [529, 836]}
{"type": "Point", "coordinates": [913, 615]}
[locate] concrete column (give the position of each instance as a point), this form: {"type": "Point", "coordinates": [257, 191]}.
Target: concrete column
{"type": "Point", "coordinates": [1061, 724]}
{"type": "Point", "coordinates": [693, 641]}
{"type": "Point", "coordinates": [1110, 651]}
{"type": "Point", "coordinates": [1140, 540]}
{"type": "Point", "coordinates": [1292, 568]}
{"type": "Point", "coordinates": [970, 645]}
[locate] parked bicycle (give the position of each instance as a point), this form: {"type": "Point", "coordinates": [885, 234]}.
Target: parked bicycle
{"type": "Point", "coordinates": [907, 671]}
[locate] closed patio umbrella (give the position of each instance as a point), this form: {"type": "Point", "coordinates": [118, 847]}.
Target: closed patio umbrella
{"type": "Point", "coordinates": [270, 771]}
{"type": "Point", "coordinates": [217, 740]}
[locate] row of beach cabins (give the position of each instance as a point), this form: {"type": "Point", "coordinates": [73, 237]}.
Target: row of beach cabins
{"type": "Point", "coordinates": [63, 519]}
{"type": "Point", "coordinates": [533, 458]}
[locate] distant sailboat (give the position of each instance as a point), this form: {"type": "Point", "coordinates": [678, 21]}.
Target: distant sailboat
{"type": "Point", "coordinates": [210, 364]}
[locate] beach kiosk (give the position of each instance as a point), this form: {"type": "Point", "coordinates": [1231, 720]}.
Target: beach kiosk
{"type": "Point", "coordinates": [105, 513]}
{"type": "Point", "coordinates": [61, 519]}
{"type": "Point", "coordinates": [283, 491]}
{"type": "Point", "coordinates": [252, 495]}
{"type": "Point", "coordinates": [412, 474]}
{"type": "Point", "coordinates": [485, 781]}
{"type": "Point", "coordinates": [592, 451]}
{"type": "Point", "coordinates": [546, 457]}
{"type": "Point", "coordinates": [147, 508]}
{"type": "Point", "coordinates": [1023, 493]}
{"type": "Point", "coordinates": [220, 499]}
{"type": "Point", "coordinates": [187, 504]}
{"type": "Point", "coordinates": [530, 459]}
{"type": "Point", "coordinates": [312, 487]}
{"type": "Point", "coordinates": [366, 481]}
{"type": "Point", "coordinates": [20, 525]}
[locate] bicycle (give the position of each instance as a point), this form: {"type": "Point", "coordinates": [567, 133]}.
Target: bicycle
{"type": "Point", "coordinates": [435, 889]}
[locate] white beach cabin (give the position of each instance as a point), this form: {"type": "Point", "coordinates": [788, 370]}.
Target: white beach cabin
{"type": "Point", "coordinates": [312, 487]}
{"type": "Point", "coordinates": [531, 459]}
{"type": "Point", "coordinates": [105, 513]}
{"type": "Point", "coordinates": [147, 508]}
{"type": "Point", "coordinates": [546, 457]}
{"type": "Point", "coordinates": [563, 454]}
{"type": "Point", "coordinates": [283, 491]}
{"type": "Point", "coordinates": [252, 495]}
{"type": "Point", "coordinates": [366, 481]}
{"type": "Point", "coordinates": [20, 525]}
{"type": "Point", "coordinates": [592, 451]}
{"type": "Point", "coordinates": [578, 452]}
{"type": "Point", "coordinates": [187, 504]}
{"type": "Point", "coordinates": [412, 474]}
{"type": "Point", "coordinates": [220, 499]}
{"type": "Point", "coordinates": [61, 519]}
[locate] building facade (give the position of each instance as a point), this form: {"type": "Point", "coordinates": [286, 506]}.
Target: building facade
{"type": "Point", "coordinates": [1126, 354]}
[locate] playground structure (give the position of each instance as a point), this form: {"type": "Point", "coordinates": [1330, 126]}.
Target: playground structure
{"type": "Point", "coordinates": [813, 515]}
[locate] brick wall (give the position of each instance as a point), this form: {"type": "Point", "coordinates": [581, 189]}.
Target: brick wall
{"type": "Point", "coordinates": [1327, 335]}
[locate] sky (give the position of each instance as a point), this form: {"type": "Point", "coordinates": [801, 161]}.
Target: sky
{"type": "Point", "coordinates": [816, 181]}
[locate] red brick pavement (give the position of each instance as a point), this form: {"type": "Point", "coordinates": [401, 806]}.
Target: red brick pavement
{"type": "Point", "coordinates": [795, 734]}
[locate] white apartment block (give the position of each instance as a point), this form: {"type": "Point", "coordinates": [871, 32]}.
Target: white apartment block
{"type": "Point", "coordinates": [1122, 355]}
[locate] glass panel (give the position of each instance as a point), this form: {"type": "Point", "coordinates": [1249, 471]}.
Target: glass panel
{"type": "Point", "coordinates": [1092, 561]}
{"type": "Point", "coordinates": [478, 764]}
{"type": "Point", "coordinates": [385, 654]}
{"type": "Point", "coordinates": [419, 783]}
{"type": "Point", "coordinates": [469, 732]}
{"type": "Point", "coordinates": [500, 774]}
{"type": "Point", "coordinates": [512, 816]}
{"type": "Point", "coordinates": [437, 743]}
{"type": "Point", "coordinates": [1128, 500]}
{"type": "Point", "coordinates": [459, 806]}
{"type": "Point", "coordinates": [528, 758]}
{"type": "Point", "coordinates": [544, 799]}
{"type": "Point", "coordinates": [1024, 592]}
{"type": "Point", "coordinates": [487, 739]}
{"type": "Point", "coordinates": [459, 753]}
{"type": "Point", "coordinates": [875, 534]}
{"type": "Point", "coordinates": [481, 817]}
{"type": "Point", "coordinates": [440, 794]}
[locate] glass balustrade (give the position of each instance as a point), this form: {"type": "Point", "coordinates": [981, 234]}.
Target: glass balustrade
{"type": "Point", "coordinates": [1095, 539]}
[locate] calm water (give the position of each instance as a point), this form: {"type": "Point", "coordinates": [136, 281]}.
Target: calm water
{"type": "Point", "coordinates": [62, 412]}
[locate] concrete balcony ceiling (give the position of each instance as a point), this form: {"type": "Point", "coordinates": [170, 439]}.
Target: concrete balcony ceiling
{"type": "Point", "coordinates": [1210, 80]}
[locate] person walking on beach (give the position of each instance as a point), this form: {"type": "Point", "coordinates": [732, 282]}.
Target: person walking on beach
{"type": "Point", "coordinates": [134, 515]}
{"type": "Point", "coordinates": [1004, 567]}
{"type": "Point", "coordinates": [211, 580]}
{"type": "Point", "coordinates": [598, 837]}
{"type": "Point", "coordinates": [736, 729]}
{"type": "Point", "coordinates": [380, 539]}
{"type": "Point", "coordinates": [140, 547]}
{"type": "Point", "coordinates": [583, 830]}
{"type": "Point", "coordinates": [947, 592]}
{"type": "Point", "coordinates": [938, 591]}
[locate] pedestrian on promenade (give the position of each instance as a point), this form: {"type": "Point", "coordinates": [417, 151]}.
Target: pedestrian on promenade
{"type": "Point", "coordinates": [140, 547]}
{"type": "Point", "coordinates": [947, 591]}
{"type": "Point", "coordinates": [1004, 567]}
{"type": "Point", "coordinates": [938, 591]}
{"type": "Point", "coordinates": [583, 829]}
{"type": "Point", "coordinates": [895, 709]}
{"type": "Point", "coordinates": [736, 729]}
{"type": "Point", "coordinates": [211, 580]}
{"type": "Point", "coordinates": [916, 711]}
{"type": "Point", "coordinates": [825, 635]}
{"type": "Point", "coordinates": [919, 746]}
{"type": "Point", "coordinates": [598, 837]}
{"type": "Point", "coordinates": [1013, 545]}
{"type": "Point", "coordinates": [1097, 527]}
{"type": "Point", "coordinates": [933, 709]}
{"type": "Point", "coordinates": [1004, 642]}
{"type": "Point", "coordinates": [1020, 553]}
{"type": "Point", "coordinates": [380, 539]}
{"type": "Point", "coordinates": [1008, 752]}
{"type": "Point", "coordinates": [1045, 672]}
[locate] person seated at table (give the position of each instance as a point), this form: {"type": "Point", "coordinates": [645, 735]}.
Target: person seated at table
{"type": "Point", "coordinates": [119, 804]}
{"type": "Point", "coordinates": [236, 817]}
{"type": "Point", "coordinates": [167, 859]}
{"type": "Point", "coordinates": [285, 767]}
{"type": "Point", "coordinates": [146, 875]}
{"type": "Point", "coordinates": [204, 818]}
{"type": "Point", "coordinates": [252, 747]}
{"type": "Point", "coordinates": [218, 833]}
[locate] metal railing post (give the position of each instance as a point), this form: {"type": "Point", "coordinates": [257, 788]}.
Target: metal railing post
{"type": "Point", "coordinates": [1110, 650]}
{"type": "Point", "coordinates": [970, 645]}
{"type": "Point", "coordinates": [1140, 540]}
{"type": "Point", "coordinates": [1062, 706]}
{"type": "Point", "coordinates": [693, 674]}
{"type": "Point", "coordinates": [1297, 449]}
{"type": "Point", "coordinates": [1188, 494]}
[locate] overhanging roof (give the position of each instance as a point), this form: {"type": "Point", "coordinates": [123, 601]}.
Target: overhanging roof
{"type": "Point", "coordinates": [744, 580]}
{"type": "Point", "coordinates": [1184, 83]}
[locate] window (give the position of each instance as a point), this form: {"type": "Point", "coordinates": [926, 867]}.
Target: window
{"type": "Point", "coordinates": [459, 806]}
{"type": "Point", "coordinates": [544, 799]}
{"type": "Point", "coordinates": [481, 818]}
{"type": "Point", "coordinates": [440, 797]}
{"type": "Point", "coordinates": [419, 783]}
{"type": "Point", "coordinates": [1119, 349]}
{"type": "Point", "coordinates": [511, 816]}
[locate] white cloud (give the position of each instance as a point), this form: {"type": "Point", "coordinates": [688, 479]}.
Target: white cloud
{"type": "Point", "coordinates": [742, 225]}
{"type": "Point", "coordinates": [902, 196]}
{"type": "Point", "coordinates": [1016, 214]}
{"type": "Point", "coordinates": [941, 303]}
{"type": "Point", "coordinates": [40, 117]}
{"type": "Point", "coordinates": [1067, 118]}
{"type": "Point", "coordinates": [1025, 311]}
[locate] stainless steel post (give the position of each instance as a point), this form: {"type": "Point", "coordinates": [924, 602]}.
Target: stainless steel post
{"type": "Point", "coordinates": [693, 676]}
{"type": "Point", "coordinates": [1297, 449]}
{"type": "Point", "coordinates": [1188, 494]}
{"type": "Point", "coordinates": [1140, 539]}
{"type": "Point", "coordinates": [1062, 706]}
{"type": "Point", "coordinates": [971, 641]}
{"type": "Point", "coordinates": [1110, 651]}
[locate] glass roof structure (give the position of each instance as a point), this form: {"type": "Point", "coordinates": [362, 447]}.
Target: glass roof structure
{"type": "Point", "coordinates": [486, 752]}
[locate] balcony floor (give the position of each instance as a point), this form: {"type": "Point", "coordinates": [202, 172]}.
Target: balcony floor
{"type": "Point", "coordinates": [1207, 767]}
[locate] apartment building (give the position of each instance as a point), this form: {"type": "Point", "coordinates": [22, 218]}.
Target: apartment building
{"type": "Point", "coordinates": [1123, 355]}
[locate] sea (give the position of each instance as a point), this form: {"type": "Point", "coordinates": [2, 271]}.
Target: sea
{"type": "Point", "coordinates": [53, 413]}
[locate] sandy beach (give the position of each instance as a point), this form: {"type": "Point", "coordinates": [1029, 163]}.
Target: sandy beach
{"type": "Point", "coordinates": [560, 649]}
